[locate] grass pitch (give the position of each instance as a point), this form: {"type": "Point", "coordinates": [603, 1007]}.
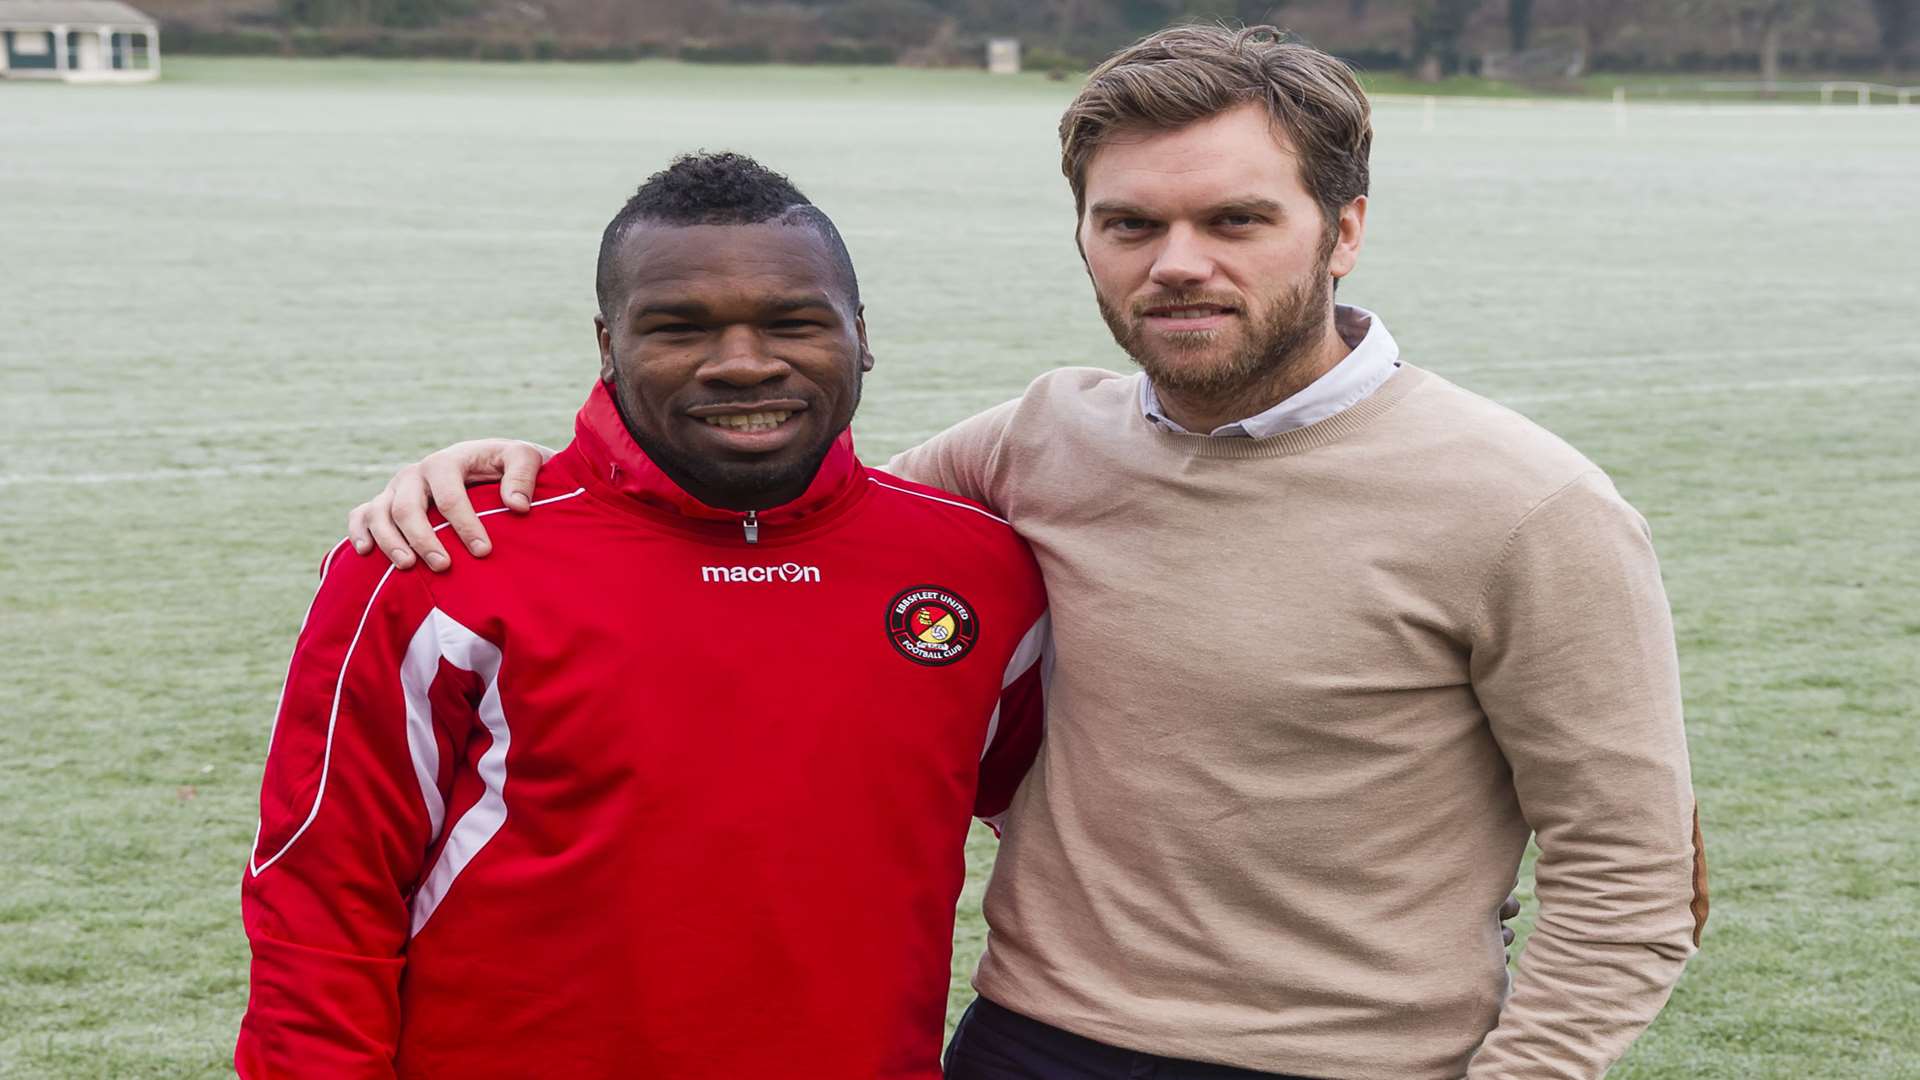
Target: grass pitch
{"type": "Point", "coordinates": [232, 300]}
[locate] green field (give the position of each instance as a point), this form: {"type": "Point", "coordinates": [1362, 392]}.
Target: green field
{"type": "Point", "coordinates": [232, 300]}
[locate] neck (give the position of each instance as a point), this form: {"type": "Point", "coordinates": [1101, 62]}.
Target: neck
{"type": "Point", "coordinates": [1202, 412]}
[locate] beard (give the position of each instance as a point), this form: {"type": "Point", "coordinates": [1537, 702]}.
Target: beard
{"type": "Point", "coordinates": [1202, 365]}
{"type": "Point", "coordinates": [731, 484]}
{"type": "Point", "coordinates": [734, 484]}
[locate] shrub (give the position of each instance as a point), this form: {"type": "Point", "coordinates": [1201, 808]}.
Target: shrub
{"type": "Point", "coordinates": [1049, 60]}
{"type": "Point", "coordinates": [851, 52]}
{"type": "Point", "coordinates": [210, 41]}
{"type": "Point", "coordinates": [726, 52]}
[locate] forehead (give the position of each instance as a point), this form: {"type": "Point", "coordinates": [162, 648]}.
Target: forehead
{"type": "Point", "coordinates": [726, 263]}
{"type": "Point", "coordinates": [1234, 154]}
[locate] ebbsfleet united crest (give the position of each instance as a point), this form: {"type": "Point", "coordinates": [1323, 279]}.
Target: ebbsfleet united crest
{"type": "Point", "coordinates": [931, 625]}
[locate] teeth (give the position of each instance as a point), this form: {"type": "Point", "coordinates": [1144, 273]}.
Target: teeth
{"type": "Point", "coordinates": [1190, 313]}
{"type": "Point", "coordinates": [760, 421]}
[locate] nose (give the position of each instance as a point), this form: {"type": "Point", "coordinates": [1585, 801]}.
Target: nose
{"type": "Point", "coordinates": [742, 358]}
{"type": "Point", "coordinates": [1182, 261]}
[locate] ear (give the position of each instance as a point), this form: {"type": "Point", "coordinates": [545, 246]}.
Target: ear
{"type": "Point", "coordinates": [860, 331]}
{"type": "Point", "coordinates": [604, 338]}
{"type": "Point", "coordinates": [1352, 231]}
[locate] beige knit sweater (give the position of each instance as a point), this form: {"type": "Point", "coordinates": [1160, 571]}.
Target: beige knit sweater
{"type": "Point", "coordinates": [1311, 695]}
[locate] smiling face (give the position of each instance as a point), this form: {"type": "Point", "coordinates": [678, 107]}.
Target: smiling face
{"type": "Point", "coordinates": [1212, 263]}
{"type": "Point", "coordinates": [735, 353]}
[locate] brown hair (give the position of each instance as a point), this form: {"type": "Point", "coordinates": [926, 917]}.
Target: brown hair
{"type": "Point", "coordinates": [1184, 74]}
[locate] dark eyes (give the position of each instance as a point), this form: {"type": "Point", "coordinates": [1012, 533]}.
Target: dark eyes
{"type": "Point", "coordinates": [778, 326]}
{"type": "Point", "coordinates": [1138, 226]}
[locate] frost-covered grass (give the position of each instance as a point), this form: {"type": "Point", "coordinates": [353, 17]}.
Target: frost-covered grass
{"type": "Point", "coordinates": [231, 300]}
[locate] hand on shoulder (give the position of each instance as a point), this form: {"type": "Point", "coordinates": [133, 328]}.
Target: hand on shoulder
{"type": "Point", "coordinates": [396, 521]}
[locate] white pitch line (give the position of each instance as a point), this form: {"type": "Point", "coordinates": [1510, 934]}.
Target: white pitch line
{"type": "Point", "coordinates": [1781, 352]}
{"type": "Point", "coordinates": [264, 427]}
{"type": "Point", "coordinates": [1646, 104]}
{"type": "Point", "coordinates": [210, 472]}
{"type": "Point", "coordinates": [1656, 392]}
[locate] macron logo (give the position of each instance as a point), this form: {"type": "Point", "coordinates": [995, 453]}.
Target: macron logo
{"type": "Point", "coordinates": [789, 572]}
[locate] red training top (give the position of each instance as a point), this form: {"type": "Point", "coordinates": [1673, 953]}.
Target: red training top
{"type": "Point", "coordinates": [635, 796]}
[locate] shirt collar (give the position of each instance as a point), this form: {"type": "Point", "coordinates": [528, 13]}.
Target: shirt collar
{"type": "Point", "coordinates": [1373, 359]}
{"type": "Point", "coordinates": [619, 463]}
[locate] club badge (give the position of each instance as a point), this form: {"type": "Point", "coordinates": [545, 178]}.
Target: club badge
{"type": "Point", "coordinates": [932, 626]}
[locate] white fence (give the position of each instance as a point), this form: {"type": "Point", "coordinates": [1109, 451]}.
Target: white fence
{"type": "Point", "coordinates": [1863, 93]}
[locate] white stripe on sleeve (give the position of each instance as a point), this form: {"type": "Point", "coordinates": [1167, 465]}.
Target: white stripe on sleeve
{"type": "Point", "coordinates": [1035, 647]}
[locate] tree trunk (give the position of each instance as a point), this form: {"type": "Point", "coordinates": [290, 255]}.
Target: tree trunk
{"type": "Point", "coordinates": [1519, 24]}
{"type": "Point", "coordinates": [1770, 56]}
{"type": "Point", "coordinates": [1897, 19]}
{"type": "Point", "coordinates": [1437, 29]}
{"type": "Point", "coordinates": [1583, 59]}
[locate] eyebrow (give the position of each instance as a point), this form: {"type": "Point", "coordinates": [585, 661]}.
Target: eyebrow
{"type": "Point", "coordinates": [1252, 203]}
{"type": "Point", "coordinates": [787, 304]}
{"type": "Point", "coordinates": [1242, 204]}
{"type": "Point", "coordinates": [694, 311]}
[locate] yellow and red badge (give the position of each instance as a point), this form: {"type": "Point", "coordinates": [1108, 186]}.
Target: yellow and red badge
{"type": "Point", "coordinates": [932, 626]}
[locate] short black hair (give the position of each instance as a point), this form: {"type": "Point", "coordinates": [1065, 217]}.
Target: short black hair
{"type": "Point", "coordinates": [718, 189]}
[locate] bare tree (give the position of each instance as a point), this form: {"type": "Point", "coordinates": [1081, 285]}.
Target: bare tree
{"type": "Point", "coordinates": [1244, 12]}
{"type": "Point", "coordinates": [1898, 19]}
{"type": "Point", "coordinates": [1598, 22]}
{"type": "Point", "coordinates": [1519, 24]}
{"type": "Point", "coordinates": [1438, 26]}
{"type": "Point", "coordinates": [1767, 21]}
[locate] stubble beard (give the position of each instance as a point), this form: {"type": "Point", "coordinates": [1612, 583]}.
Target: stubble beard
{"type": "Point", "coordinates": [1279, 345]}
{"type": "Point", "coordinates": [719, 482]}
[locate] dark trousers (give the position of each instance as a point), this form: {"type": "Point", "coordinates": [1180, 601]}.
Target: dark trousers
{"type": "Point", "coordinates": [993, 1043]}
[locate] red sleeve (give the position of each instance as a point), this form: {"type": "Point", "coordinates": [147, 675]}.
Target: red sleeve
{"type": "Point", "coordinates": [1019, 720]}
{"type": "Point", "coordinates": [349, 803]}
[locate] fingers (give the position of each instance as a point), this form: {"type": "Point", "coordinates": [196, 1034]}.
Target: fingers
{"type": "Point", "coordinates": [357, 531]}
{"type": "Point", "coordinates": [396, 522]}
{"type": "Point", "coordinates": [447, 486]}
{"type": "Point", "coordinates": [410, 501]}
{"type": "Point", "coordinates": [520, 462]}
{"type": "Point", "coordinates": [378, 520]}
{"type": "Point", "coordinates": [1509, 908]}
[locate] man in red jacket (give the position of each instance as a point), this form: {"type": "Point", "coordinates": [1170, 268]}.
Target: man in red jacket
{"type": "Point", "coordinates": [676, 783]}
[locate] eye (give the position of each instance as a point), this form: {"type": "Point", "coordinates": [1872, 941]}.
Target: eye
{"type": "Point", "coordinates": [1129, 224]}
{"type": "Point", "coordinates": [1240, 221]}
{"type": "Point", "coordinates": [674, 328]}
{"type": "Point", "coordinates": [792, 326]}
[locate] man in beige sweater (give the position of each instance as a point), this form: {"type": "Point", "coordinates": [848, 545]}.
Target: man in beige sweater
{"type": "Point", "coordinates": [1333, 638]}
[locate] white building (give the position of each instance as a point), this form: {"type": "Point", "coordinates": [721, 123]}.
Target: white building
{"type": "Point", "coordinates": [1003, 56]}
{"type": "Point", "coordinates": [77, 41]}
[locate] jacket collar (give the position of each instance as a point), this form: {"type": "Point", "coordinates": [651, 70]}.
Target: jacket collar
{"type": "Point", "coordinates": [619, 463]}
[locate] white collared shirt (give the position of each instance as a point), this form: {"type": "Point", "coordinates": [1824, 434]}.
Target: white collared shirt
{"type": "Point", "coordinates": [1374, 359]}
